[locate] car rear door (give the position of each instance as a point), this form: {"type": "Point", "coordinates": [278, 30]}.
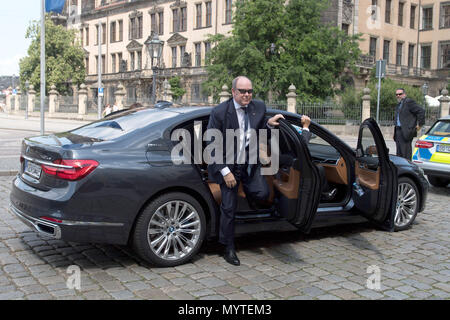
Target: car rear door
{"type": "Point", "coordinates": [374, 190]}
{"type": "Point", "coordinates": [307, 190]}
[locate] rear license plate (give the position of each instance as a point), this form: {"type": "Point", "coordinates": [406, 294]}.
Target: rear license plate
{"type": "Point", "coordinates": [32, 169]}
{"type": "Point", "coordinates": [443, 148]}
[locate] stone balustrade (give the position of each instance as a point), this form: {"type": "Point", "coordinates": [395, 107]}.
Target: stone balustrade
{"type": "Point", "coordinates": [83, 96]}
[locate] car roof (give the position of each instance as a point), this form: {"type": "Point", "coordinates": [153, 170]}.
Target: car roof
{"type": "Point", "coordinates": [447, 117]}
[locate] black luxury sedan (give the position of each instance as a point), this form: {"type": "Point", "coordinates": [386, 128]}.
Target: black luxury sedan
{"type": "Point", "coordinates": [114, 181]}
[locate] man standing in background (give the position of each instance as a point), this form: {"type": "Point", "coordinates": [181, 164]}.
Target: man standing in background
{"type": "Point", "coordinates": [409, 118]}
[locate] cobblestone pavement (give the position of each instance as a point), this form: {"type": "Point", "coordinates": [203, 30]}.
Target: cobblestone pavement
{"type": "Point", "coordinates": [330, 263]}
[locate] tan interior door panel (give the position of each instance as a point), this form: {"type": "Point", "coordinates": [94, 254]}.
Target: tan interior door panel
{"type": "Point", "coordinates": [289, 188]}
{"type": "Point", "coordinates": [336, 173]}
{"type": "Point", "coordinates": [366, 177]}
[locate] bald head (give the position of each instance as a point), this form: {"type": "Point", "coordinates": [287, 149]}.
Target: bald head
{"type": "Point", "coordinates": [242, 90]}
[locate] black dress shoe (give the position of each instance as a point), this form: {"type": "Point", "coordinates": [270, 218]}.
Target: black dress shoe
{"type": "Point", "coordinates": [231, 257]}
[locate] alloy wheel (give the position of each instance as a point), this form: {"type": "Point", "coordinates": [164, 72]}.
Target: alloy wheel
{"type": "Point", "coordinates": [406, 205]}
{"type": "Point", "coordinates": [174, 230]}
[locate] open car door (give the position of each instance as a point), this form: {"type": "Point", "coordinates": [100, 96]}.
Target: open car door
{"type": "Point", "coordinates": [299, 189]}
{"type": "Point", "coordinates": [375, 187]}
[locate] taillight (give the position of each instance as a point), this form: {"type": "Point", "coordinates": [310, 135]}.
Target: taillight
{"type": "Point", "coordinates": [424, 144]}
{"type": "Point", "coordinates": [70, 169]}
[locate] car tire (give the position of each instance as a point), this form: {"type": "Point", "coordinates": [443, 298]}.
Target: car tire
{"type": "Point", "coordinates": [170, 230]}
{"type": "Point", "coordinates": [407, 204]}
{"type": "Point", "coordinates": [438, 181]}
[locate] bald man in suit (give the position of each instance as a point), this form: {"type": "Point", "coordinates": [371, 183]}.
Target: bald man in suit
{"type": "Point", "coordinates": [239, 112]}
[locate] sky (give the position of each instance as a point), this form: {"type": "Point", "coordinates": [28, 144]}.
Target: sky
{"type": "Point", "coordinates": [15, 17]}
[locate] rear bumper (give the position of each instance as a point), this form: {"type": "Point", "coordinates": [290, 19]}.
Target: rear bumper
{"type": "Point", "coordinates": [76, 231]}
{"type": "Point", "coordinates": [31, 205]}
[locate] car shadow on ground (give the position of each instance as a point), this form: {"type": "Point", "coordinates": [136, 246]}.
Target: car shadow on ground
{"type": "Point", "coordinates": [61, 254]}
{"type": "Point", "coordinates": [282, 246]}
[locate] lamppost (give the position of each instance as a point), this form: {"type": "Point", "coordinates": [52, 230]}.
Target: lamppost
{"type": "Point", "coordinates": [154, 46]}
{"type": "Point", "coordinates": [27, 86]}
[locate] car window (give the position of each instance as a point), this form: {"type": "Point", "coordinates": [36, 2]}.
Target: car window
{"type": "Point", "coordinates": [441, 128]}
{"type": "Point", "coordinates": [368, 145]}
{"type": "Point", "coordinates": [320, 149]}
{"type": "Point", "coordinates": [113, 127]}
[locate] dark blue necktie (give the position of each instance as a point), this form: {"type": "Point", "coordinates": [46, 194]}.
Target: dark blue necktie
{"type": "Point", "coordinates": [245, 121]}
{"type": "Point", "coordinates": [246, 125]}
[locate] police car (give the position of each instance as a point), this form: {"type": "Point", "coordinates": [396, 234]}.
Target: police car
{"type": "Point", "coordinates": [432, 152]}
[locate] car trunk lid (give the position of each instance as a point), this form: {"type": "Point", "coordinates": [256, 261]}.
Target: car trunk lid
{"type": "Point", "coordinates": [48, 161]}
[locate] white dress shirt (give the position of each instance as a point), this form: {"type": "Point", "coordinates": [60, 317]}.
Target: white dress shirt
{"type": "Point", "coordinates": [241, 120]}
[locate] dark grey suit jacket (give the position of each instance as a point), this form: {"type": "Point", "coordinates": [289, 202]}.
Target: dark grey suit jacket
{"type": "Point", "coordinates": [411, 114]}
{"type": "Point", "coordinates": [224, 117]}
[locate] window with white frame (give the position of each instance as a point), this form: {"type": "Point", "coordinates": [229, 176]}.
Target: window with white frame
{"type": "Point", "coordinates": [444, 55]}
{"type": "Point", "coordinates": [399, 54]}
{"type": "Point", "coordinates": [228, 11]}
{"type": "Point", "coordinates": [373, 47]}
{"type": "Point", "coordinates": [427, 18]}
{"type": "Point", "coordinates": [401, 6]}
{"type": "Point", "coordinates": [198, 15]}
{"type": "Point", "coordinates": [386, 51]}
{"type": "Point", "coordinates": [198, 54]}
{"type": "Point", "coordinates": [411, 49]}
{"type": "Point", "coordinates": [208, 22]}
{"type": "Point", "coordinates": [412, 17]}
{"type": "Point", "coordinates": [425, 56]}
{"type": "Point", "coordinates": [387, 11]}
{"type": "Point", "coordinates": [174, 57]}
{"type": "Point", "coordinates": [445, 15]}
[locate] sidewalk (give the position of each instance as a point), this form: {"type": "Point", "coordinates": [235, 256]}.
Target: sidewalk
{"type": "Point", "coordinates": [51, 125]}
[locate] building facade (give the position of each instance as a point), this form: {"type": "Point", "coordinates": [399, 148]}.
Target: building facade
{"type": "Point", "coordinates": [126, 25]}
{"type": "Point", "coordinates": [412, 35]}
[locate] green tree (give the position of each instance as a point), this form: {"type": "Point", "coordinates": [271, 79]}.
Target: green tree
{"type": "Point", "coordinates": [175, 87]}
{"type": "Point", "coordinates": [64, 57]}
{"type": "Point", "coordinates": [304, 52]}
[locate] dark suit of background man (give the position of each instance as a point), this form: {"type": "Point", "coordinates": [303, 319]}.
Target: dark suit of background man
{"type": "Point", "coordinates": [409, 118]}
{"type": "Point", "coordinates": [240, 112]}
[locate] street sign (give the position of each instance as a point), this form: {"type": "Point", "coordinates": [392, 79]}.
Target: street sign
{"type": "Point", "coordinates": [14, 92]}
{"type": "Point", "coordinates": [100, 92]}
{"type": "Point", "coordinates": [380, 71]}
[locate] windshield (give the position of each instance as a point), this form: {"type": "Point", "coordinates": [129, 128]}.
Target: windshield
{"type": "Point", "coordinates": [441, 128]}
{"type": "Point", "coordinates": [122, 124]}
